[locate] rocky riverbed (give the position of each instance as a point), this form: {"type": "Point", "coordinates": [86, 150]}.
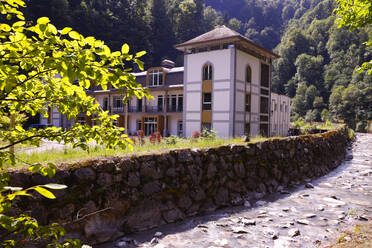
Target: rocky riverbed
{"type": "Point", "coordinates": [309, 215]}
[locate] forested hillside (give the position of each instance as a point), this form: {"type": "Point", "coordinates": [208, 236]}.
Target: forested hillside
{"type": "Point", "coordinates": [318, 68]}
{"type": "Point", "coordinates": [157, 25]}
{"type": "Point", "coordinates": [318, 60]}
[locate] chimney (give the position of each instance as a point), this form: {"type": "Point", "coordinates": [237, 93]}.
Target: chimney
{"type": "Point", "coordinates": [168, 64]}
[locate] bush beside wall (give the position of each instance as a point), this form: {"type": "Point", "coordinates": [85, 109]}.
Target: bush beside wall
{"type": "Point", "coordinates": [107, 197]}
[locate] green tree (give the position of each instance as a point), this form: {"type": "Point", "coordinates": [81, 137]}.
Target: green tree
{"type": "Point", "coordinates": [44, 67]}
{"type": "Point", "coordinates": [299, 101]}
{"type": "Point", "coordinates": [310, 95]}
{"type": "Point", "coordinates": [325, 115]}
{"type": "Point", "coordinates": [234, 24]}
{"type": "Point", "coordinates": [161, 38]}
{"type": "Point", "coordinates": [311, 115]}
{"type": "Point", "coordinates": [356, 14]}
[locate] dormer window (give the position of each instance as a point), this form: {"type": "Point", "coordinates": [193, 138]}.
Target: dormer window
{"type": "Point", "coordinates": [155, 78]}
{"type": "Point", "coordinates": [207, 72]}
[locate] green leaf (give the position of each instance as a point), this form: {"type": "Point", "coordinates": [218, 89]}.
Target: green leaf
{"type": "Point", "coordinates": [140, 54]}
{"type": "Point", "coordinates": [44, 192]}
{"type": "Point", "coordinates": [19, 24]}
{"type": "Point", "coordinates": [139, 63]}
{"type": "Point", "coordinates": [66, 30]}
{"type": "Point", "coordinates": [74, 35]}
{"type": "Point", "coordinates": [116, 54]}
{"type": "Point", "coordinates": [125, 49]}
{"type": "Point", "coordinates": [55, 186]}
{"type": "Point", "coordinates": [43, 20]}
{"type": "Point", "coordinates": [5, 27]}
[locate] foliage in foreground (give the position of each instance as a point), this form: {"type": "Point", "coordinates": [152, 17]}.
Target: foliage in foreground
{"type": "Point", "coordinates": [44, 68]}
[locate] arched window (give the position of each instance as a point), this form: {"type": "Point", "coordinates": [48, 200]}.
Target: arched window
{"type": "Point", "coordinates": [207, 72]}
{"type": "Point", "coordinates": [248, 75]}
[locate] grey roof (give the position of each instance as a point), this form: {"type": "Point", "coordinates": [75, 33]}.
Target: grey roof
{"type": "Point", "coordinates": [144, 73]}
{"type": "Point", "coordinates": [223, 33]}
{"type": "Point", "coordinates": [219, 33]}
{"type": "Point", "coordinates": [174, 77]}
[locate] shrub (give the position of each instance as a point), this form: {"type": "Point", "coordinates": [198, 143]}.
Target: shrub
{"type": "Point", "coordinates": [140, 133]}
{"type": "Point", "coordinates": [133, 139]}
{"type": "Point", "coordinates": [156, 137]}
{"type": "Point", "coordinates": [211, 135]}
{"type": "Point", "coordinates": [196, 135]}
{"type": "Point", "coordinates": [141, 136]}
{"type": "Point", "coordinates": [172, 140]}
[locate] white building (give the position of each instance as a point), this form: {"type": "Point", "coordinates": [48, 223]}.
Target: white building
{"type": "Point", "coordinates": [224, 85]}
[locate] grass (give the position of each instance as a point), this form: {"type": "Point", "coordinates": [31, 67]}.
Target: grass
{"type": "Point", "coordinates": [73, 155]}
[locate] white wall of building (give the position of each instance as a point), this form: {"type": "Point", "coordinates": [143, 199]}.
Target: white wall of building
{"type": "Point", "coordinates": [222, 65]}
{"type": "Point", "coordinates": [280, 114]}
{"type": "Point", "coordinates": [173, 124]}
{"type": "Point", "coordinates": [243, 60]}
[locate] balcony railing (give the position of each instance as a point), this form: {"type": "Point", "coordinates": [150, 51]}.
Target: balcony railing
{"type": "Point", "coordinates": [118, 109]}
{"type": "Point", "coordinates": [153, 109]}
{"type": "Point", "coordinates": [134, 109]}
{"type": "Point", "coordinates": [174, 109]}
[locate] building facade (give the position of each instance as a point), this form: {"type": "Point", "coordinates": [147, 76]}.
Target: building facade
{"type": "Point", "coordinates": [224, 85]}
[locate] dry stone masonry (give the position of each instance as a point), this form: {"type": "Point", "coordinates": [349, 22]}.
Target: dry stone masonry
{"type": "Point", "coordinates": [107, 197]}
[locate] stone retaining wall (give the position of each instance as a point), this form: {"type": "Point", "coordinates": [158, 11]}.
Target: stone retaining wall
{"type": "Point", "coordinates": [107, 197]}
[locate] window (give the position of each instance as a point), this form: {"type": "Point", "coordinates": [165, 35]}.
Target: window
{"type": "Point", "coordinates": [264, 106]}
{"type": "Point", "coordinates": [286, 108]}
{"type": "Point", "coordinates": [155, 78]}
{"type": "Point", "coordinates": [50, 115]}
{"type": "Point", "coordinates": [207, 72]}
{"type": "Point", "coordinates": [264, 129]}
{"type": "Point", "coordinates": [139, 125]}
{"type": "Point", "coordinates": [281, 107]}
{"type": "Point", "coordinates": [118, 103]}
{"type": "Point", "coordinates": [180, 103]}
{"type": "Point", "coordinates": [265, 72]}
{"type": "Point", "coordinates": [264, 92]}
{"type": "Point", "coordinates": [248, 102]}
{"type": "Point", "coordinates": [264, 118]}
{"type": "Point", "coordinates": [180, 128]}
{"type": "Point", "coordinates": [248, 75]}
{"type": "Point", "coordinates": [139, 105]}
{"type": "Point", "coordinates": [105, 104]}
{"type": "Point", "coordinates": [172, 104]}
{"type": "Point", "coordinates": [247, 129]}
{"type": "Point", "coordinates": [206, 126]}
{"type": "Point", "coordinates": [115, 122]}
{"type": "Point", "coordinates": [275, 107]}
{"type": "Point", "coordinates": [207, 101]}
{"type": "Point", "coordinates": [160, 103]}
{"type": "Point", "coordinates": [150, 125]}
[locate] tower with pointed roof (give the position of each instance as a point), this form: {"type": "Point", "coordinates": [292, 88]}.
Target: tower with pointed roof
{"type": "Point", "coordinates": [227, 81]}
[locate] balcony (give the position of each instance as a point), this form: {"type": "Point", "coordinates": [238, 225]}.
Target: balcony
{"type": "Point", "coordinates": [135, 109]}
{"type": "Point", "coordinates": [118, 109]}
{"type": "Point", "coordinates": [153, 109]}
{"type": "Point", "coordinates": [174, 109]}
